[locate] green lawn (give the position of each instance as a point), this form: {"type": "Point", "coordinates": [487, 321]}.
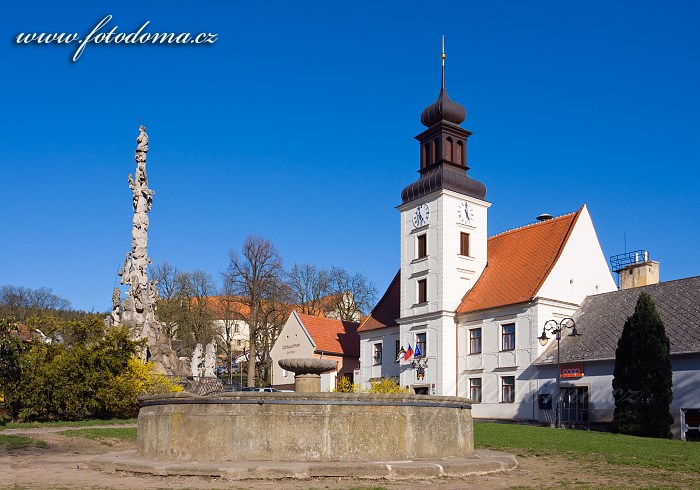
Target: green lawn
{"type": "Point", "coordinates": [123, 433]}
{"type": "Point", "coordinates": [19, 442]}
{"type": "Point", "coordinates": [616, 449]}
{"type": "Point", "coordinates": [79, 423]}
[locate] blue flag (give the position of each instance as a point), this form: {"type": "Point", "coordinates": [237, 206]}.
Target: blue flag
{"type": "Point", "coordinates": [417, 352]}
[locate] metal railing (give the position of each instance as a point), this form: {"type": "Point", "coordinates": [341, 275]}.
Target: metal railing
{"type": "Point", "coordinates": [619, 262]}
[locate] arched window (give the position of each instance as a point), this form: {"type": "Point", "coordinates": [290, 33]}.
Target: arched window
{"type": "Point", "coordinates": [459, 153]}
{"type": "Point", "coordinates": [436, 150]}
{"type": "Point", "coordinates": [448, 149]}
{"type": "Point", "coordinates": [425, 155]}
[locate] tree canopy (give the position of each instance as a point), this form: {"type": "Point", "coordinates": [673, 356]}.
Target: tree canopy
{"type": "Point", "coordinates": [643, 378]}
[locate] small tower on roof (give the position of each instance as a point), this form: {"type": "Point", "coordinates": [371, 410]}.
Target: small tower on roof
{"type": "Point", "coordinates": [443, 149]}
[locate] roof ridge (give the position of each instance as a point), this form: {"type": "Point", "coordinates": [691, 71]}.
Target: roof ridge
{"type": "Point", "coordinates": [529, 225]}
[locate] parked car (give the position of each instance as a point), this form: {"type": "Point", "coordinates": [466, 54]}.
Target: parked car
{"type": "Point", "coordinates": [252, 388]}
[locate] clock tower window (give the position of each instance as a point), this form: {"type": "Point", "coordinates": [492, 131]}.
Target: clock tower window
{"type": "Point", "coordinates": [422, 291]}
{"type": "Point", "coordinates": [422, 246]}
{"type": "Point", "coordinates": [464, 244]}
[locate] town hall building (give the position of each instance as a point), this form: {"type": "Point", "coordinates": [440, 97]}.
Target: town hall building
{"type": "Point", "coordinates": [463, 314]}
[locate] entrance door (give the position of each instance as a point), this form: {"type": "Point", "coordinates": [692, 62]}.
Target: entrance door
{"type": "Point", "coordinates": [574, 404]}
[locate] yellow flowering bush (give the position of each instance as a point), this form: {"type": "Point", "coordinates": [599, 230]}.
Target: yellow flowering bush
{"type": "Point", "coordinates": [384, 385]}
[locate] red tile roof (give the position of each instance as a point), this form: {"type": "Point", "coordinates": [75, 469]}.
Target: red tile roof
{"type": "Point", "coordinates": [387, 310]}
{"type": "Point", "coordinates": [332, 336]}
{"type": "Point", "coordinates": [225, 307]}
{"type": "Point", "coordinates": [519, 261]}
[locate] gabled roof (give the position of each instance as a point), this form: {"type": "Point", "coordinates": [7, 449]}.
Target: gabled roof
{"type": "Point", "coordinates": [332, 336]}
{"type": "Point", "coordinates": [601, 318]}
{"type": "Point", "coordinates": [387, 310]}
{"type": "Point", "coordinates": [519, 262]}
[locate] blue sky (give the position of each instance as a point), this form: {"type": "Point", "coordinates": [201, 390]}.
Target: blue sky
{"type": "Point", "coordinates": [298, 125]}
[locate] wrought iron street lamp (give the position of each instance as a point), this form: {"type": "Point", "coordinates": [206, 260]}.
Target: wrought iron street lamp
{"type": "Point", "coordinates": [556, 328]}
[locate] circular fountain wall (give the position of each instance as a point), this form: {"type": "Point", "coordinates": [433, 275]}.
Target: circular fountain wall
{"type": "Point", "coordinates": [251, 426]}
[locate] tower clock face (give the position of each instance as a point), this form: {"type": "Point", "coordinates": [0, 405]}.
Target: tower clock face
{"type": "Point", "coordinates": [421, 215]}
{"type": "Point", "coordinates": [465, 213]}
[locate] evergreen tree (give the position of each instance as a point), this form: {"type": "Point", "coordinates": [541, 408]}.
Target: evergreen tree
{"type": "Point", "coordinates": [642, 383]}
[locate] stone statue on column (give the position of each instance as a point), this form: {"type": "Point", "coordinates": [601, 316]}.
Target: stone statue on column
{"type": "Point", "coordinates": [138, 310]}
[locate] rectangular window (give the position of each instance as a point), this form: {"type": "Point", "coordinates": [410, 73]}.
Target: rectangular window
{"type": "Point", "coordinates": [508, 336]}
{"type": "Point", "coordinates": [422, 243]}
{"type": "Point", "coordinates": [475, 389]}
{"type": "Point", "coordinates": [377, 354]}
{"type": "Point", "coordinates": [397, 350]}
{"type": "Point", "coordinates": [421, 344]}
{"type": "Point", "coordinates": [235, 328]}
{"type": "Point", "coordinates": [475, 341]}
{"type": "Point", "coordinates": [508, 389]}
{"type": "Point", "coordinates": [422, 290]}
{"type": "Point", "coordinates": [464, 244]}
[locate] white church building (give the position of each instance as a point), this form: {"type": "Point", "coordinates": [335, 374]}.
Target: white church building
{"type": "Point", "coordinates": [463, 315]}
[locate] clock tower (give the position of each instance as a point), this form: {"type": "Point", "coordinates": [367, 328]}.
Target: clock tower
{"type": "Point", "coordinates": [443, 247]}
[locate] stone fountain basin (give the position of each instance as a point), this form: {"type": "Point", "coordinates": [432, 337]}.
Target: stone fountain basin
{"type": "Point", "coordinates": [307, 365]}
{"type": "Point", "coordinates": [253, 426]}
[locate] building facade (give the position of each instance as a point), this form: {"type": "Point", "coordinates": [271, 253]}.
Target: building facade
{"type": "Point", "coordinates": [461, 316]}
{"type": "Point", "coordinates": [311, 336]}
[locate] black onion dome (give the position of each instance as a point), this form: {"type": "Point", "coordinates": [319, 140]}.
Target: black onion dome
{"type": "Point", "coordinates": [443, 109]}
{"type": "Point", "coordinates": [444, 177]}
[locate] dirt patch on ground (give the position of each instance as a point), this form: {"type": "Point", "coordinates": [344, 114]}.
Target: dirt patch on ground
{"type": "Point", "coordinates": [64, 464]}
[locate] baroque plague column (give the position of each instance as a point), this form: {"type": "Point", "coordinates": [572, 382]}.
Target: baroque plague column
{"type": "Point", "coordinates": [138, 310]}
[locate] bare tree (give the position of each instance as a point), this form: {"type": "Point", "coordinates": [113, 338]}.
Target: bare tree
{"type": "Point", "coordinates": [20, 302]}
{"type": "Point", "coordinates": [165, 275]}
{"type": "Point", "coordinates": [184, 307]}
{"type": "Point", "coordinates": [168, 305]}
{"type": "Point", "coordinates": [335, 293]}
{"type": "Point", "coordinates": [308, 286]}
{"type": "Point", "coordinates": [352, 295]}
{"type": "Point", "coordinates": [255, 276]}
{"type": "Point", "coordinates": [228, 308]}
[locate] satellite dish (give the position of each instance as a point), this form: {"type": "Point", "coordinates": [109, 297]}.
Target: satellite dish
{"type": "Point", "coordinates": [544, 217]}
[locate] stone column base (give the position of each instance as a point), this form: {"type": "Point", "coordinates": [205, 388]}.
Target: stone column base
{"type": "Point", "coordinates": [307, 383]}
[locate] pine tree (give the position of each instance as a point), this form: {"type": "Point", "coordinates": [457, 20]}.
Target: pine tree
{"type": "Point", "coordinates": [642, 383]}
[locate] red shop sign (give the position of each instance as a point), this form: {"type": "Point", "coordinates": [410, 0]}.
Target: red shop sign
{"type": "Point", "coordinates": [572, 371]}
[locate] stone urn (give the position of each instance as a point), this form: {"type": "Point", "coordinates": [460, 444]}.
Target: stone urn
{"type": "Point", "coordinates": [307, 372]}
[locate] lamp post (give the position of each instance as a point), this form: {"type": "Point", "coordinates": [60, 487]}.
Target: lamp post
{"type": "Point", "coordinates": [556, 328]}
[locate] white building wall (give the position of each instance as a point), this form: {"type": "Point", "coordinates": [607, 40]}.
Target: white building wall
{"type": "Point", "coordinates": [598, 378]}
{"type": "Point", "coordinates": [581, 269]}
{"type": "Point", "coordinates": [493, 363]}
{"type": "Point", "coordinates": [449, 276]}
{"type": "Point", "coordinates": [388, 368]}
{"type": "Point", "coordinates": [239, 333]}
{"type": "Point", "coordinates": [292, 342]}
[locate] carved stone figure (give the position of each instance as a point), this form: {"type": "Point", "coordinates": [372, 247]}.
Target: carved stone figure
{"type": "Point", "coordinates": [210, 360]}
{"type": "Point", "coordinates": [116, 305]}
{"type": "Point", "coordinates": [196, 361]}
